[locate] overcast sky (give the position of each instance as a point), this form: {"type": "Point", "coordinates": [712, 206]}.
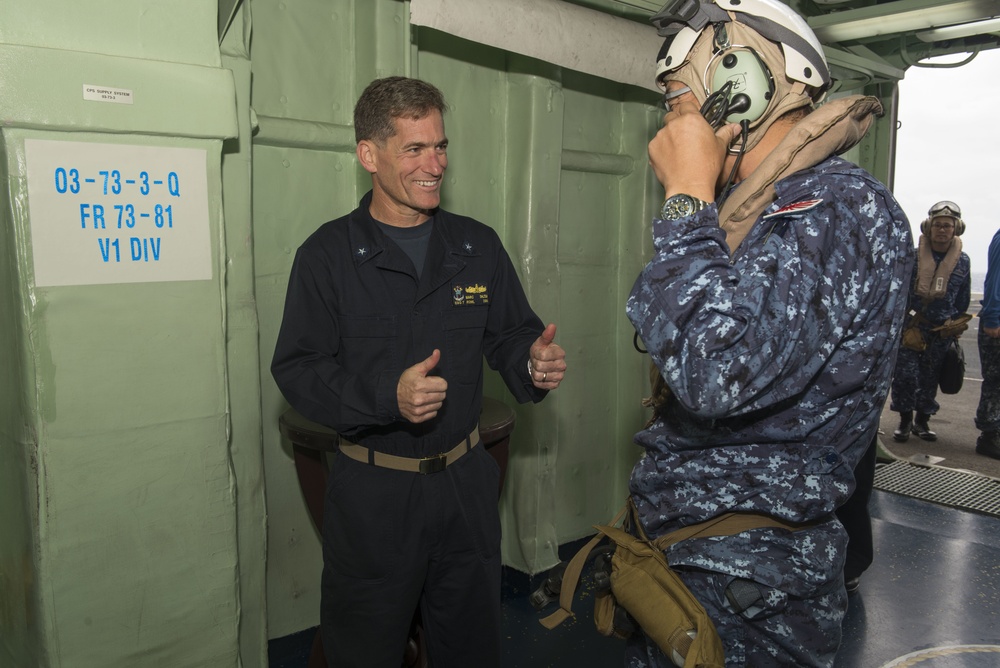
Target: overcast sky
{"type": "Point", "coordinates": [949, 148]}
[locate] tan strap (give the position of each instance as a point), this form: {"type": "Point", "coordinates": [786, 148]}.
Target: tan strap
{"type": "Point", "coordinates": [723, 525]}
{"type": "Point", "coordinates": [423, 465]}
{"type": "Point", "coordinates": [571, 577]}
{"type": "Point", "coordinates": [727, 524]}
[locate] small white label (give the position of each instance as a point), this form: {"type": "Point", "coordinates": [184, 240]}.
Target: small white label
{"type": "Point", "coordinates": [107, 94]}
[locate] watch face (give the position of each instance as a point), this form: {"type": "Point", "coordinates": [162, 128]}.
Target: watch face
{"type": "Point", "coordinates": [678, 206]}
{"type": "Point", "coordinates": [685, 206]}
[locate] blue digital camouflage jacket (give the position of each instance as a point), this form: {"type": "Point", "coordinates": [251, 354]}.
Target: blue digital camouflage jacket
{"type": "Point", "coordinates": [990, 311]}
{"type": "Point", "coordinates": [779, 361]}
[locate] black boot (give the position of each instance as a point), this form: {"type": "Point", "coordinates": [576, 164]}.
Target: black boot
{"type": "Point", "coordinates": [921, 429]}
{"type": "Point", "coordinates": [905, 425]}
{"type": "Point", "coordinates": [988, 444]}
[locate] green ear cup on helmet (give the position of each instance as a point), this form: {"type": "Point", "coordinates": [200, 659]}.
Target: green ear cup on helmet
{"type": "Point", "coordinates": [750, 77]}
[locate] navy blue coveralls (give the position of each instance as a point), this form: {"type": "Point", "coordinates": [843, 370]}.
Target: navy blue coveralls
{"type": "Point", "coordinates": [356, 316]}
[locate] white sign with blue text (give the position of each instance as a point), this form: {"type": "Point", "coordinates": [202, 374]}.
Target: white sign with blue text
{"type": "Point", "coordinates": [117, 213]}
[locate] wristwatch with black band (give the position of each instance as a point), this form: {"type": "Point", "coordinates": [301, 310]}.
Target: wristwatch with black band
{"type": "Point", "coordinates": [681, 205]}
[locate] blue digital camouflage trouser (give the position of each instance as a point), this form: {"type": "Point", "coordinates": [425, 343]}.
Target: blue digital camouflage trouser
{"type": "Point", "coordinates": [802, 632]}
{"type": "Point", "coordinates": [988, 413]}
{"type": "Point", "coordinates": [915, 381]}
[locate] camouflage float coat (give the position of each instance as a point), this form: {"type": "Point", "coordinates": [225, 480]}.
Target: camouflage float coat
{"type": "Point", "coordinates": [778, 361]}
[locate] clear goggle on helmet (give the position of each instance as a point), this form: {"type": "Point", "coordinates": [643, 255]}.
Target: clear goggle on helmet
{"type": "Point", "coordinates": [945, 208]}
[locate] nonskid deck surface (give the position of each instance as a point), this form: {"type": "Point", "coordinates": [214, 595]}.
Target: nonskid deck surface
{"type": "Point", "coordinates": [930, 600]}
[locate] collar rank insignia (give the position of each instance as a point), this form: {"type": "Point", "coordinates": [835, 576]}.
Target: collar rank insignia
{"type": "Point", "coordinates": [470, 295]}
{"type": "Point", "coordinates": [796, 207]}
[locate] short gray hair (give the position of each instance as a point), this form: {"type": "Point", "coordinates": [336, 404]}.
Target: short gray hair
{"type": "Point", "coordinates": [385, 100]}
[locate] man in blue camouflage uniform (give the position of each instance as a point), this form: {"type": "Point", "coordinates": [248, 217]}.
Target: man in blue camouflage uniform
{"type": "Point", "coordinates": [773, 312]}
{"type": "Point", "coordinates": [988, 411]}
{"type": "Point", "coordinates": [940, 293]}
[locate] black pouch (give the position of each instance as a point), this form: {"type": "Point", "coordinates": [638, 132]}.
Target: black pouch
{"type": "Point", "coordinates": [952, 368]}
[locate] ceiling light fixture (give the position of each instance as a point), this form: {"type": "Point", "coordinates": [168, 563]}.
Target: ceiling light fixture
{"type": "Point", "coordinates": [903, 16]}
{"type": "Point", "coordinates": [960, 31]}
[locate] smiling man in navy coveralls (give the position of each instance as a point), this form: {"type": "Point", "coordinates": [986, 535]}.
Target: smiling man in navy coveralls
{"type": "Point", "coordinates": [389, 313]}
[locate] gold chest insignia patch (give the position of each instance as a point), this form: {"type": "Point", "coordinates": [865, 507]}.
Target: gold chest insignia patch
{"type": "Point", "coordinates": [470, 295]}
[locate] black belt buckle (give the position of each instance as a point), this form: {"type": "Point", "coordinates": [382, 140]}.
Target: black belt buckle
{"type": "Point", "coordinates": [434, 464]}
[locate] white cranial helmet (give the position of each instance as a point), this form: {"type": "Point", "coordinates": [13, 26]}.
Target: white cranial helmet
{"type": "Point", "coordinates": [759, 52]}
{"type": "Point", "coordinates": [682, 22]}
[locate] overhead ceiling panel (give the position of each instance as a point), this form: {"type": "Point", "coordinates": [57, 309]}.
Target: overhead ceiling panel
{"type": "Point", "coordinates": [558, 32]}
{"type": "Point", "coordinates": [866, 41]}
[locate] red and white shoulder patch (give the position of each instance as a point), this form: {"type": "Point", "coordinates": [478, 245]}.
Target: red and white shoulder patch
{"type": "Point", "coordinates": [796, 207]}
